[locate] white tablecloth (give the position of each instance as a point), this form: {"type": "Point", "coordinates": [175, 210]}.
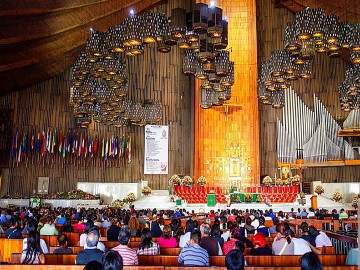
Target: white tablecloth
{"type": "Point", "coordinates": [72, 203]}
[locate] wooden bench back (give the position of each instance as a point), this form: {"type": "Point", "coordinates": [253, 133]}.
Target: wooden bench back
{"type": "Point", "coordinates": [9, 246]}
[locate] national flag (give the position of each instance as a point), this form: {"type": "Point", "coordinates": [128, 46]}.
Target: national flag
{"type": "Point", "coordinates": [24, 144]}
{"type": "Point", "coordinates": [32, 142]}
{"type": "Point", "coordinates": [19, 151]}
{"type": "Point", "coordinates": [43, 143]}
{"type": "Point", "coordinates": [116, 146]}
{"type": "Point", "coordinates": [80, 145]}
{"type": "Point", "coordinates": [106, 149]}
{"type": "Point", "coordinates": [128, 149]}
{"type": "Point", "coordinates": [75, 145]}
{"type": "Point", "coordinates": [38, 142]}
{"type": "Point", "coordinates": [13, 146]}
{"type": "Point", "coordinates": [90, 147]}
{"type": "Point", "coordinates": [54, 142]}
{"type": "Point", "coordinates": [103, 148]}
{"type": "Point", "coordinates": [63, 150]}
{"type": "Point", "coordinates": [48, 141]}
{"type": "Point", "coordinates": [95, 145]}
{"type": "Point", "coordinates": [61, 138]}
{"type": "Point", "coordinates": [124, 146]}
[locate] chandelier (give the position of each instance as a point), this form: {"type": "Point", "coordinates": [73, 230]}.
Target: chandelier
{"type": "Point", "coordinates": [310, 32]}
{"type": "Point", "coordinates": [99, 79]}
{"type": "Point", "coordinates": [349, 89]}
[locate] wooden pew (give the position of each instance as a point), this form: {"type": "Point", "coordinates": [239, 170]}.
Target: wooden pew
{"type": "Point", "coordinates": [9, 246]}
{"type": "Point", "coordinates": [51, 240]}
{"type": "Point", "coordinates": [68, 267]}
{"type": "Point", "coordinates": [75, 250]}
{"type": "Point", "coordinates": [258, 261]}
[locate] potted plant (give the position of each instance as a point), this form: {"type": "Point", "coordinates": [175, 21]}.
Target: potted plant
{"type": "Point", "coordinates": [337, 196]}
{"type": "Point", "coordinates": [146, 190]}
{"type": "Point", "coordinates": [267, 180]}
{"type": "Point", "coordinates": [201, 181]}
{"type": "Point", "coordinates": [319, 189]}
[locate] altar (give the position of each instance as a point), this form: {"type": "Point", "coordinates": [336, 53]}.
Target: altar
{"type": "Point", "coordinates": [16, 202]}
{"type": "Point", "coordinates": [241, 197]}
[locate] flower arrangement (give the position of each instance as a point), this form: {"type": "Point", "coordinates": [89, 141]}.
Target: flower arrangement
{"type": "Point", "coordinates": [267, 180]}
{"type": "Point", "coordinates": [278, 182]}
{"type": "Point", "coordinates": [355, 201]}
{"type": "Point", "coordinates": [14, 196]}
{"type": "Point", "coordinates": [302, 194]}
{"type": "Point", "coordinates": [116, 204]}
{"type": "Point", "coordinates": [201, 181]}
{"type": "Point", "coordinates": [337, 196]}
{"type": "Point", "coordinates": [130, 198]}
{"type": "Point", "coordinates": [175, 179]}
{"type": "Point", "coordinates": [187, 180]}
{"type": "Point", "coordinates": [248, 198]}
{"type": "Point", "coordinates": [295, 180]}
{"type": "Point", "coordinates": [319, 189]}
{"type": "Point", "coordinates": [146, 190]}
{"type": "Point", "coordinates": [286, 181]}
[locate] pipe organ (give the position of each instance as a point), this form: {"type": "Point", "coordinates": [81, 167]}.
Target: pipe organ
{"type": "Point", "coordinates": [312, 130]}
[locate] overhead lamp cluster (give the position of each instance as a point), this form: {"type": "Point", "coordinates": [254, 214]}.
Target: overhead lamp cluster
{"type": "Point", "coordinates": [349, 89]}
{"type": "Point", "coordinates": [99, 81]}
{"type": "Point", "coordinates": [311, 32]}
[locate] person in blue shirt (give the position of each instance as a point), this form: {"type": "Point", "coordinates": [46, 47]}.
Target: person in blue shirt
{"type": "Point", "coordinates": [14, 232]}
{"type": "Point", "coordinates": [192, 254]}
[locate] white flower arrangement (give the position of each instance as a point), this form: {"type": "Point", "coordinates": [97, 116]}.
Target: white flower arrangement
{"type": "Point", "coordinates": [267, 180]}
{"type": "Point", "coordinates": [296, 179]}
{"type": "Point", "coordinates": [175, 179]}
{"type": "Point", "coordinates": [116, 204]}
{"type": "Point", "coordinates": [130, 197]}
{"type": "Point", "coordinates": [146, 190]}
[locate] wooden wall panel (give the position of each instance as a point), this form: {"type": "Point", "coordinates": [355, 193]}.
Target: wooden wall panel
{"type": "Point", "coordinates": [327, 74]}
{"type": "Point", "coordinates": [46, 105]}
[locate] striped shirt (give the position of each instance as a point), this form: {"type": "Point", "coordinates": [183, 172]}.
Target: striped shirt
{"type": "Point", "coordinates": [194, 255]}
{"type": "Point", "coordinates": [128, 255]}
{"type": "Point", "coordinates": [153, 250]}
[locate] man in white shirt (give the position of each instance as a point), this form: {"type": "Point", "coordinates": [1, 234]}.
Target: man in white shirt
{"type": "Point", "coordinates": [300, 246]}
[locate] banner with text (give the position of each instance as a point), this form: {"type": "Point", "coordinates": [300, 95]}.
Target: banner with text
{"type": "Point", "coordinates": [156, 149]}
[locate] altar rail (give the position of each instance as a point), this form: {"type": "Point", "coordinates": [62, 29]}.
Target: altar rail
{"type": "Point", "coordinates": [342, 243]}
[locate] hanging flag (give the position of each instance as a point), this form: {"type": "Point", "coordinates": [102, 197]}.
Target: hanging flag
{"type": "Point", "coordinates": [106, 149]}
{"type": "Point", "coordinates": [68, 142]}
{"type": "Point", "coordinates": [103, 148]}
{"type": "Point", "coordinates": [96, 145]}
{"type": "Point", "coordinates": [90, 148]}
{"type": "Point", "coordinates": [80, 145]}
{"type": "Point", "coordinates": [116, 146]}
{"type": "Point", "coordinates": [54, 142]}
{"type": "Point", "coordinates": [128, 149]}
{"type": "Point", "coordinates": [75, 144]}
{"type": "Point", "coordinates": [124, 146]}
{"type": "Point", "coordinates": [32, 142]}
{"type": "Point", "coordinates": [14, 146]}
{"type": "Point", "coordinates": [19, 151]}
{"type": "Point", "coordinates": [61, 138]}
{"type": "Point", "coordinates": [24, 144]}
{"type": "Point", "coordinates": [48, 141]}
{"type": "Point", "coordinates": [38, 142]}
{"type": "Point", "coordinates": [43, 143]}
{"type": "Point", "coordinates": [63, 150]}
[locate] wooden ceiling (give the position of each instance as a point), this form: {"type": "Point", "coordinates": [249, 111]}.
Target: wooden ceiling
{"type": "Point", "coordinates": [41, 38]}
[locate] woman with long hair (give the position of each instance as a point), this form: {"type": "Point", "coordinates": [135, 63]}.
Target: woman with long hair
{"type": "Point", "coordinates": [33, 253]}
{"type": "Point", "coordinates": [147, 246]}
{"type": "Point", "coordinates": [283, 245]}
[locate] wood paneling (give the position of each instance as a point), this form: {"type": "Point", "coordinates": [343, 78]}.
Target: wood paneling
{"type": "Point", "coordinates": [327, 74]}
{"type": "Point", "coordinates": [46, 105]}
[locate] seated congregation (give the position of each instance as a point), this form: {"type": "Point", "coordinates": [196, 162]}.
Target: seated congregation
{"type": "Point", "coordinates": [169, 239]}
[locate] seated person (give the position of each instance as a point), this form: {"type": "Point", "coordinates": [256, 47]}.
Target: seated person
{"type": "Point", "coordinates": [33, 254]}
{"type": "Point", "coordinates": [147, 246]}
{"type": "Point", "coordinates": [310, 261]}
{"type": "Point", "coordinates": [234, 260]}
{"type": "Point", "coordinates": [260, 247]}
{"type": "Point", "coordinates": [112, 260]}
{"type": "Point", "coordinates": [32, 227]}
{"type": "Point", "coordinates": [91, 253]}
{"type": "Point", "coordinates": [112, 232]}
{"type": "Point", "coordinates": [261, 228]}
{"type": "Point", "coordinates": [193, 254]}
{"type": "Point", "coordinates": [14, 232]}
{"type": "Point", "coordinates": [167, 240]}
{"type": "Point", "coordinates": [352, 257]}
{"type": "Point", "coordinates": [62, 249]}
{"type": "Point", "coordinates": [128, 255]}
{"type": "Point", "coordinates": [282, 244]}
{"type": "Point", "coordinates": [49, 227]}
